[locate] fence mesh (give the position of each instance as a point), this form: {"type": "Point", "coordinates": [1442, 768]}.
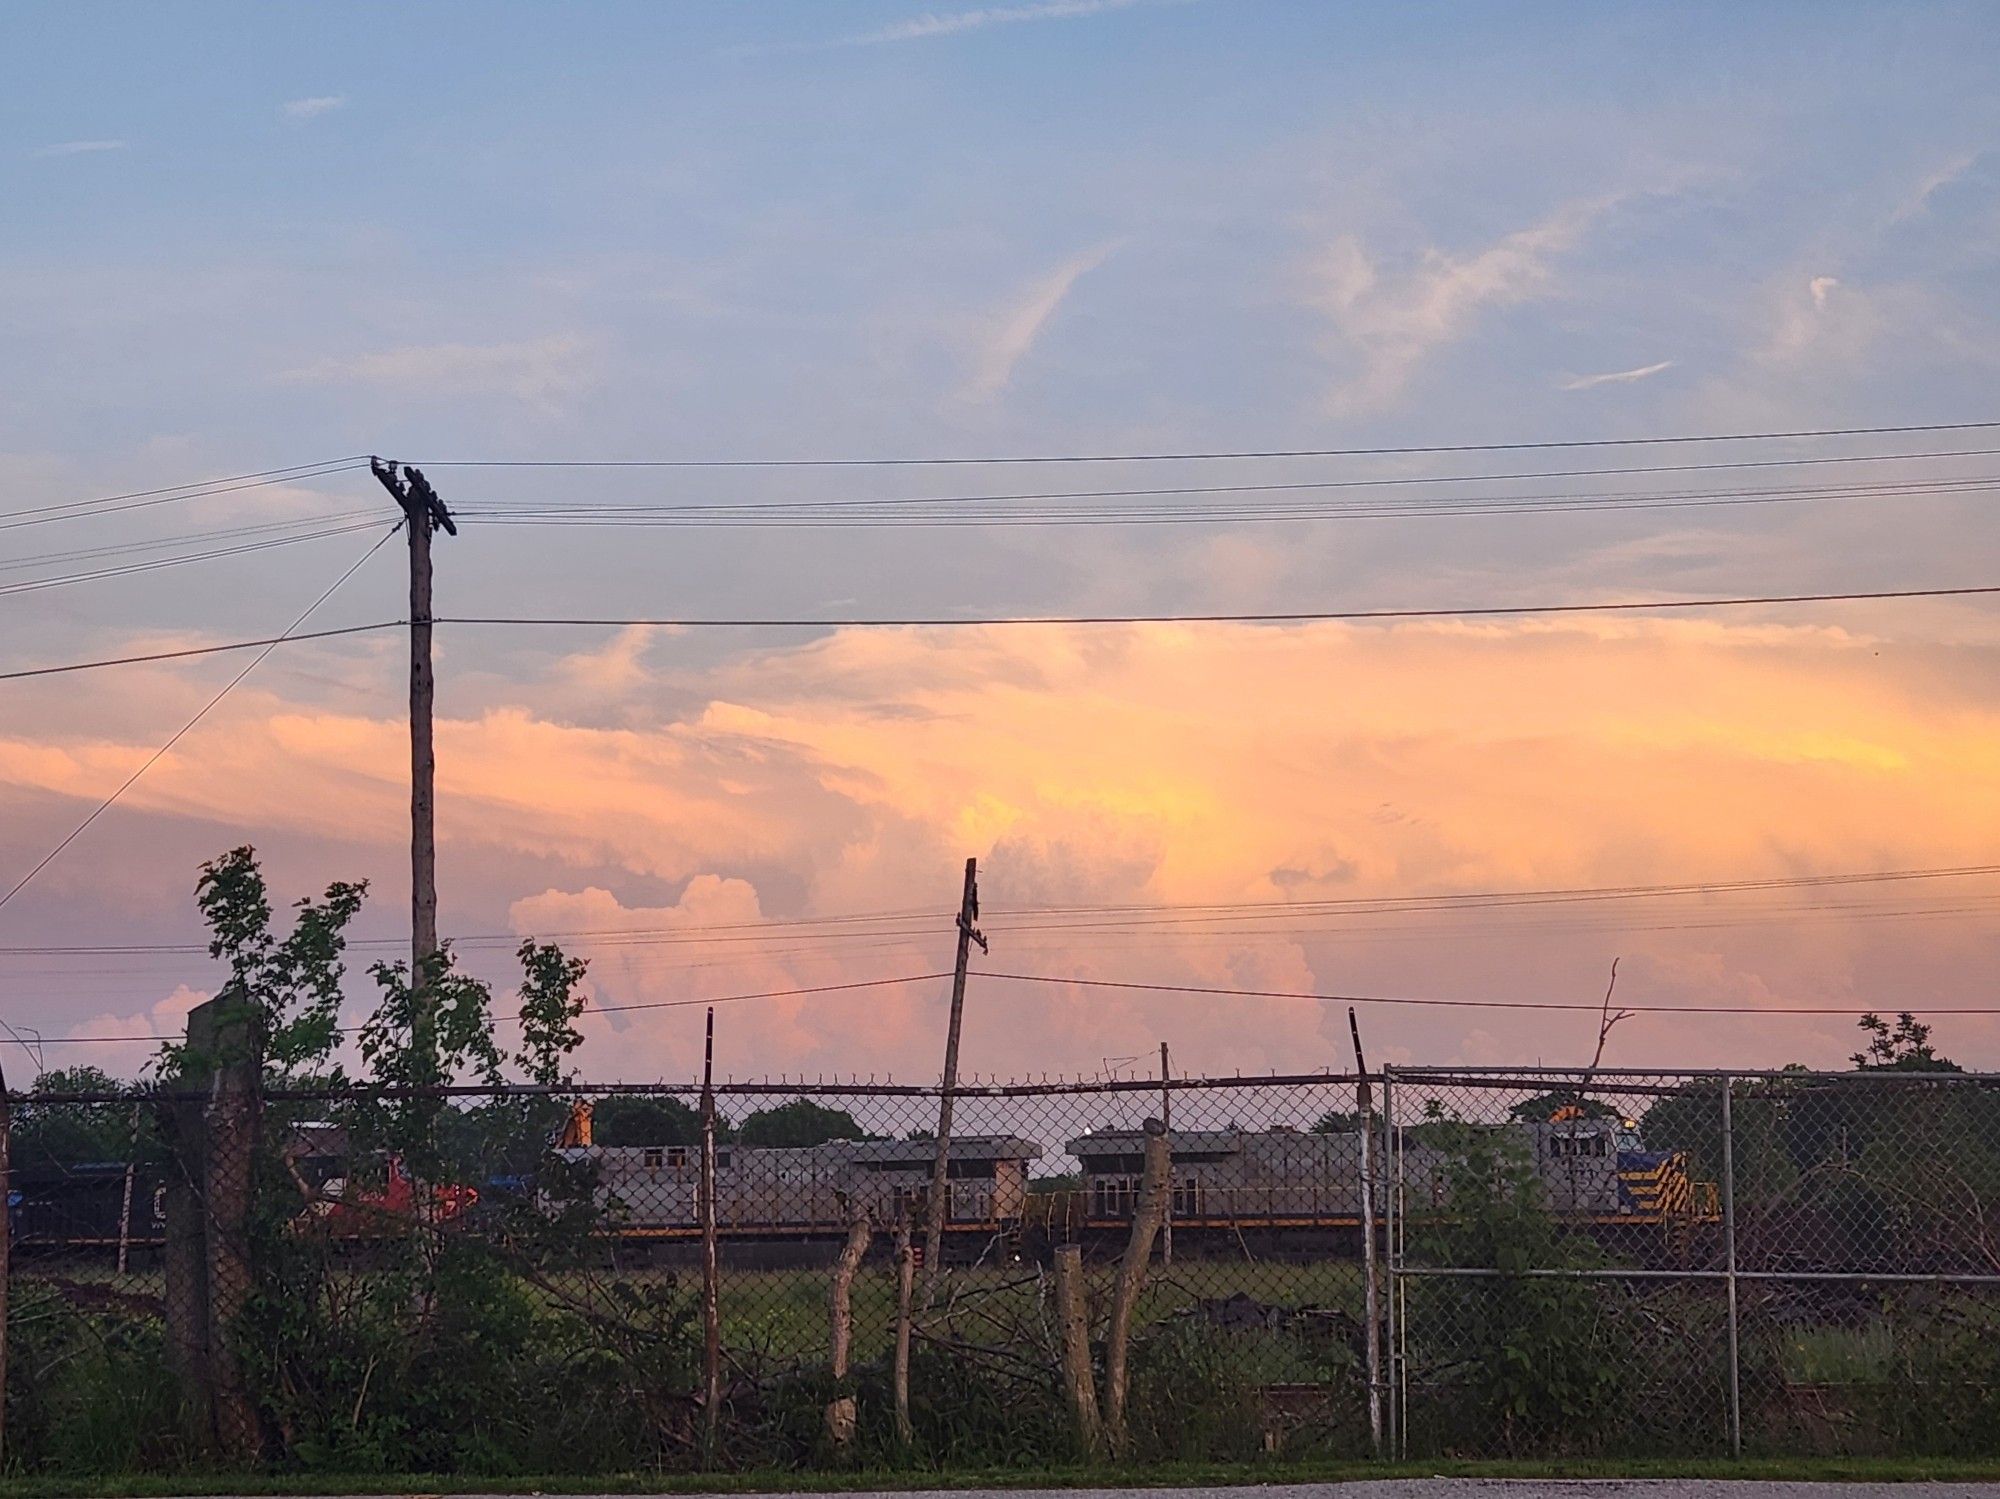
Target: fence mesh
{"type": "Point", "coordinates": [513, 1280]}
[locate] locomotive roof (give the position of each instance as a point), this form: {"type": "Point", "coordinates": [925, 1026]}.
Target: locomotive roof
{"type": "Point", "coordinates": [892, 1152]}
{"type": "Point", "coordinates": [1130, 1141]}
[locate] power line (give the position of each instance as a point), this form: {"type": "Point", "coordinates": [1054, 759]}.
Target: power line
{"type": "Point", "coordinates": [909, 922]}
{"type": "Point", "coordinates": [1453, 899]}
{"type": "Point", "coordinates": [164, 543]}
{"type": "Point", "coordinates": [1288, 617]}
{"type": "Point", "coordinates": [142, 499]}
{"type": "Point", "coordinates": [203, 650]}
{"type": "Point", "coordinates": [646, 512]}
{"type": "Point", "coordinates": [967, 621]}
{"type": "Point", "coordinates": [154, 758]}
{"type": "Point", "coordinates": [659, 1004]}
{"type": "Point", "coordinates": [60, 580]}
{"type": "Point", "coordinates": [1203, 990]}
{"type": "Point", "coordinates": [1465, 1004]}
{"type": "Point", "coordinates": [1177, 457]}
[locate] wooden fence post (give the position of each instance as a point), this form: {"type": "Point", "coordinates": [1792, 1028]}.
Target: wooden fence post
{"type": "Point", "coordinates": [1146, 1219]}
{"type": "Point", "coordinates": [840, 1313]}
{"type": "Point", "coordinates": [1073, 1325]}
{"type": "Point", "coordinates": [905, 1284]}
{"type": "Point", "coordinates": [185, 1250]}
{"type": "Point", "coordinates": [229, 1161]}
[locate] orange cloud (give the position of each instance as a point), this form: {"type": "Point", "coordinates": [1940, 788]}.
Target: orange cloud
{"type": "Point", "coordinates": [1178, 764]}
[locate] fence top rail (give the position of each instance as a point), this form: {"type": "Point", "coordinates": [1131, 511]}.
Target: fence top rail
{"type": "Point", "coordinates": [1608, 1080]}
{"type": "Point", "coordinates": [1516, 1076]}
{"type": "Point", "coordinates": [786, 1088]}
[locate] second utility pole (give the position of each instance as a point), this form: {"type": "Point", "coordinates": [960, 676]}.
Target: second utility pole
{"type": "Point", "coordinates": [939, 1206]}
{"type": "Point", "coordinates": [423, 511]}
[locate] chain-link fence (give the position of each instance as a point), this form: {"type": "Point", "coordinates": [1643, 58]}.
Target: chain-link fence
{"type": "Point", "coordinates": [1430, 1263]}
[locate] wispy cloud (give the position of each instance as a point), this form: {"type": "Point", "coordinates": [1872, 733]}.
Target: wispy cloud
{"type": "Point", "coordinates": [543, 371]}
{"type": "Point", "coordinates": [1617, 377]}
{"type": "Point", "coordinates": [77, 148]}
{"type": "Point", "coordinates": [952, 23]}
{"type": "Point", "coordinates": [319, 104]}
{"type": "Point", "coordinates": [1009, 336]}
{"type": "Point", "coordinates": [1392, 323]}
{"type": "Point", "coordinates": [1930, 183]}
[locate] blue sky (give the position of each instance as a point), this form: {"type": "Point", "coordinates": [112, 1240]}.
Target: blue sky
{"type": "Point", "coordinates": [239, 237]}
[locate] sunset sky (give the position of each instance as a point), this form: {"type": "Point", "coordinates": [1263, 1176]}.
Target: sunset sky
{"type": "Point", "coordinates": [241, 238]}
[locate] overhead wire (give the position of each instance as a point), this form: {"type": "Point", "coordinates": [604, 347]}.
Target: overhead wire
{"type": "Point", "coordinates": [187, 538]}
{"type": "Point", "coordinates": [592, 1009]}
{"type": "Point", "coordinates": [1220, 454]}
{"type": "Point", "coordinates": [124, 570]}
{"type": "Point", "coordinates": [1215, 991]}
{"type": "Point", "coordinates": [910, 509]}
{"type": "Point", "coordinates": [142, 499]}
{"type": "Point", "coordinates": [964, 621]}
{"type": "Point", "coordinates": [201, 713]}
{"type": "Point", "coordinates": [1231, 921]}
{"type": "Point", "coordinates": [695, 622]}
{"type": "Point", "coordinates": [1209, 991]}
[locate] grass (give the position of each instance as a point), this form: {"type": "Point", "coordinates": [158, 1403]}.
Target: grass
{"type": "Point", "coordinates": [1179, 1475]}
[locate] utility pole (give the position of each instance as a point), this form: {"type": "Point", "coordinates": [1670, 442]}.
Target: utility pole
{"type": "Point", "coordinates": [968, 933]}
{"type": "Point", "coordinates": [423, 511]}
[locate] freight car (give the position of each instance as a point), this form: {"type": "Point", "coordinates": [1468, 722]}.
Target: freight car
{"type": "Point", "coordinates": [86, 1206]}
{"type": "Point", "coordinates": [1592, 1171]}
{"type": "Point", "coordinates": [806, 1192]}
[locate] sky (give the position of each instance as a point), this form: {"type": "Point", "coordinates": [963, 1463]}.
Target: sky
{"type": "Point", "coordinates": [242, 238]}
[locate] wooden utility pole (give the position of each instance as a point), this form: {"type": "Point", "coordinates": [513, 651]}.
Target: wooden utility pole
{"type": "Point", "coordinates": [423, 512]}
{"type": "Point", "coordinates": [937, 1207]}
{"type": "Point", "coordinates": [1370, 1294]}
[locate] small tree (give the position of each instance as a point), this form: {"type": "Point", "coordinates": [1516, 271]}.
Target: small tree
{"type": "Point", "coordinates": [798, 1123]}
{"type": "Point", "coordinates": [1903, 1047]}
{"type": "Point", "coordinates": [632, 1119]}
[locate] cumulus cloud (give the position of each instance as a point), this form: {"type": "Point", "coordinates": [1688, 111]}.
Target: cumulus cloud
{"type": "Point", "coordinates": [1821, 288]}
{"type": "Point", "coordinates": [1617, 377]}
{"type": "Point", "coordinates": [541, 371]}
{"type": "Point", "coordinates": [1114, 767]}
{"type": "Point", "coordinates": [312, 108]}
{"type": "Point", "coordinates": [1387, 321]}
{"type": "Point", "coordinates": [169, 1018]}
{"type": "Point", "coordinates": [1010, 334]}
{"type": "Point", "coordinates": [77, 148]}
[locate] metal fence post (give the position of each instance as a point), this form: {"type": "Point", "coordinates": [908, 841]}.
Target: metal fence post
{"type": "Point", "coordinates": [1391, 1206]}
{"type": "Point", "coordinates": [1729, 1269]}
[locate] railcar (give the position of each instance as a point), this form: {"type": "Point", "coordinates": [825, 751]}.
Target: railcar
{"type": "Point", "coordinates": [1594, 1172]}
{"type": "Point", "coordinates": [805, 1192]}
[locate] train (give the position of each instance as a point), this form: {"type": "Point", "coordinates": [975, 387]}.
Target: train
{"type": "Point", "coordinates": [1284, 1188]}
{"type": "Point", "coordinates": [1227, 1185]}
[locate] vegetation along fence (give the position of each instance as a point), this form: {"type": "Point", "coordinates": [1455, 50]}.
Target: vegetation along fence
{"type": "Point", "coordinates": [1433, 1263]}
